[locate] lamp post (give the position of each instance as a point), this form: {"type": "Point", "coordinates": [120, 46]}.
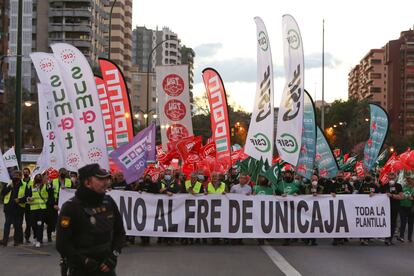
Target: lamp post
{"type": "Point", "coordinates": [18, 114]}
{"type": "Point", "coordinates": [110, 28]}
{"type": "Point", "coordinates": [148, 71]}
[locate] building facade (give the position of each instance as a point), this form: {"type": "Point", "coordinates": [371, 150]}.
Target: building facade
{"type": "Point", "coordinates": [4, 26]}
{"type": "Point", "coordinates": [386, 76]}
{"type": "Point", "coordinates": [187, 57]}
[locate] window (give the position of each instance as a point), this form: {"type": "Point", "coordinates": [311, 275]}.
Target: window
{"type": "Point", "coordinates": [375, 89]}
{"type": "Point", "coordinates": [376, 61]}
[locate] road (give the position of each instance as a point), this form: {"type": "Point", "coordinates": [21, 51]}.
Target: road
{"type": "Point", "coordinates": [247, 259]}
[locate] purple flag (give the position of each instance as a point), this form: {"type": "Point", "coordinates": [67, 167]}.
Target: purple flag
{"type": "Point", "coordinates": [132, 158]}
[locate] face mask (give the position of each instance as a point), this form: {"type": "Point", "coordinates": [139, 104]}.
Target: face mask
{"type": "Point", "coordinates": [26, 176]}
{"type": "Point", "coordinates": [314, 183]}
{"type": "Point", "coordinates": [392, 182]}
{"type": "Point", "coordinates": [368, 179]}
{"type": "Point", "coordinates": [73, 179]}
{"type": "Point", "coordinates": [297, 181]}
{"type": "Point", "coordinates": [354, 178]}
{"type": "Point", "coordinates": [167, 177]}
{"type": "Point", "coordinates": [287, 179]}
{"type": "Point", "coordinates": [62, 175]}
{"type": "Point", "coordinates": [200, 176]}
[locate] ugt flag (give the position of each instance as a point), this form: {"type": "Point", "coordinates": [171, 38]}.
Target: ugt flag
{"type": "Point", "coordinates": [378, 131]}
{"type": "Point", "coordinates": [132, 158]}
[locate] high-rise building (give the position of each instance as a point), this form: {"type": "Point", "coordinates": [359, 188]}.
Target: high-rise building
{"type": "Point", "coordinates": [121, 33]}
{"type": "Point", "coordinates": [26, 41]}
{"type": "Point", "coordinates": [4, 26]}
{"type": "Point", "coordinates": [367, 80]}
{"type": "Point", "coordinates": [386, 77]}
{"type": "Point", "coordinates": [187, 57]}
{"type": "Point", "coordinates": [399, 61]}
{"type": "Point", "coordinates": [149, 49]}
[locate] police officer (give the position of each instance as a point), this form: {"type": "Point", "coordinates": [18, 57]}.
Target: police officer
{"type": "Point", "coordinates": [90, 233]}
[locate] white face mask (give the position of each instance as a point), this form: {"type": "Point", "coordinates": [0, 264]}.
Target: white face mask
{"type": "Point", "coordinates": [392, 182]}
{"type": "Point", "coordinates": [73, 179]}
{"type": "Point", "coordinates": [354, 178]}
{"type": "Point", "coordinates": [314, 183]}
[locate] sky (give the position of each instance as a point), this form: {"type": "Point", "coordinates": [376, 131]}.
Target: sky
{"type": "Point", "coordinates": [223, 35]}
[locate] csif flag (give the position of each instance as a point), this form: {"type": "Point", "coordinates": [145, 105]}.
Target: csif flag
{"type": "Point", "coordinates": [290, 115]}
{"type": "Point", "coordinates": [324, 159]}
{"type": "Point", "coordinates": [308, 149]}
{"type": "Point", "coordinates": [259, 139]}
{"type": "Point", "coordinates": [378, 132]}
{"type": "Point", "coordinates": [219, 116]}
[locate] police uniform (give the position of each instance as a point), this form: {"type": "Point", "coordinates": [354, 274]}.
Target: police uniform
{"type": "Point", "coordinates": [90, 230]}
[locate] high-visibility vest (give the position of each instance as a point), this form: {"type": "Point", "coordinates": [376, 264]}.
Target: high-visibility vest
{"type": "Point", "coordinates": [29, 184]}
{"type": "Point", "coordinates": [20, 194]}
{"type": "Point", "coordinates": [221, 189]}
{"type": "Point", "coordinates": [39, 198]}
{"type": "Point", "coordinates": [56, 186]}
{"type": "Point", "coordinates": [196, 187]}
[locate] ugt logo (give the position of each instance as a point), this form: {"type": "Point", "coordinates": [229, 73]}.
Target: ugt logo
{"type": "Point", "coordinates": [288, 143]}
{"type": "Point", "coordinates": [293, 39]}
{"type": "Point", "coordinates": [173, 85]}
{"type": "Point", "coordinates": [263, 41]}
{"type": "Point", "coordinates": [260, 142]}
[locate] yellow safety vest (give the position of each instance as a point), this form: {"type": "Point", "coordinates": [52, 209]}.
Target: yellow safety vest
{"type": "Point", "coordinates": [39, 198]}
{"type": "Point", "coordinates": [28, 184]}
{"type": "Point", "coordinates": [56, 186]}
{"type": "Point", "coordinates": [221, 189]}
{"type": "Point", "coordinates": [20, 194]}
{"type": "Point", "coordinates": [196, 187]}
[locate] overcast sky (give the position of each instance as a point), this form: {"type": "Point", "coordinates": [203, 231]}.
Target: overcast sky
{"type": "Point", "coordinates": [223, 35]}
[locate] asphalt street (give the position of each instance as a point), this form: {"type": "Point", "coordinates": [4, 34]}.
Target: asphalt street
{"type": "Point", "coordinates": [247, 259]}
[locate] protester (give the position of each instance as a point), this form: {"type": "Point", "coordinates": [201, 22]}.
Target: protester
{"type": "Point", "coordinates": [118, 181]}
{"type": "Point", "coordinates": [216, 186]}
{"type": "Point", "coordinates": [168, 185]}
{"type": "Point", "coordinates": [37, 196]}
{"type": "Point", "coordinates": [74, 179]}
{"type": "Point", "coordinates": [395, 192]}
{"type": "Point", "coordinates": [313, 188]}
{"type": "Point", "coordinates": [243, 187]}
{"type": "Point", "coordinates": [193, 185]}
{"type": "Point", "coordinates": [14, 195]}
{"type": "Point", "coordinates": [406, 209]}
{"type": "Point", "coordinates": [27, 216]}
{"type": "Point", "coordinates": [263, 186]}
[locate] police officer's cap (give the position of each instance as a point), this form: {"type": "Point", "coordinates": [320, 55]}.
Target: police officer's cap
{"type": "Point", "coordinates": [92, 170]}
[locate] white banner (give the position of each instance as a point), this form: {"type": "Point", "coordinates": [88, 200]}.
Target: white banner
{"type": "Point", "coordinates": [80, 82]}
{"type": "Point", "coordinates": [4, 174]}
{"type": "Point", "coordinates": [10, 159]}
{"type": "Point", "coordinates": [290, 116]}
{"type": "Point", "coordinates": [173, 103]}
{"type": "Point", "coordinates": [259, 141]}
{"type": "Point", "coordinates": [49, 74]}
{"type": "Point", "coordinates": [259, 216]}
{"type": "Point", "coordinates": [51, 155]}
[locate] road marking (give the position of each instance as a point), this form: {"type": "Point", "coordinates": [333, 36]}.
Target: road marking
{"type": "Point", "coordinates": [32, 251]}
{"type": "Point", "coordinates": [280, 261]}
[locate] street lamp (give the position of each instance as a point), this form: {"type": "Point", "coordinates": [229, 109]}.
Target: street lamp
{"type": "Point", "coordinates": [149, 65]}
{"type": "Point", "coordinates": [110, 28]}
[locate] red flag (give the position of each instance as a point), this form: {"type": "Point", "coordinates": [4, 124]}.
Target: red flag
{"type": "Point", "coordinates": [189, 145]}
{"type": "Point", "coordinates": [359, 168]}
{"type": "Point", "coordinates": [219, 115]}
{"type": "Point", "coordinates": [208, 149]}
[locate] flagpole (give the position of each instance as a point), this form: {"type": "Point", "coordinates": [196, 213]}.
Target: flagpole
{"type": "Point", "coordinates": [323, 77]}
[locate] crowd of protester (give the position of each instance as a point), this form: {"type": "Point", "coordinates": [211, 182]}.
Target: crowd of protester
{"type": "Point", "coordinates": [34, 199]}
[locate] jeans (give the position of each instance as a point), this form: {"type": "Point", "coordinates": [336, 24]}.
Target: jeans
{"type": "Point", "coordinates": [15, 219]}
{"type": "Point", "coordinates": [38, 219]}
{"type": "Point", "coordinates": [406, 216]}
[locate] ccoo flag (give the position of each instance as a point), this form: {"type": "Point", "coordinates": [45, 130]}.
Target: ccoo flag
{"type": "Point", "coordinates": [378, 132]}
{"type": "Point", "coordinates": [290, 116]}
{"type": "Point", "coordinates": [308, 148]}
{"type": "Point", "coordinates": [259, 141]}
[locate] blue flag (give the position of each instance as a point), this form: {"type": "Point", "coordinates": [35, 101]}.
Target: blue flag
{"type": "Point", "coordinates": [308, 149]}
{"type": "Point", "coordinates": [325, 160]}
{"type": "Point", "coordinates": [132, 158]}
{"type": "Point", "coordinates": [378, 132]}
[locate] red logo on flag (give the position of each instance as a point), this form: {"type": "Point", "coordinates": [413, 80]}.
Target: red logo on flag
{"type": "Point", "coordinates": [173, 85]}
{"type": "Point", "coordinates": [374, 125]}
{"type": "Point", "coordinates": [176, 132]}
{"type": "Point", "coordinates": [175, 110]}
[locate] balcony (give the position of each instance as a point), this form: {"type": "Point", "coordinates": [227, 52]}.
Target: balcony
{"type": "Point", "coordinates": [59, 27]}
{"type": "Point", "coordinates": [79, 43]}
{"type": "Point", "coordinates": [79, 12]}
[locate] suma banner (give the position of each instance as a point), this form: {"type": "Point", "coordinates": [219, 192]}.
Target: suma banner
{"type": "Point", "coordinates": [378, 132]}
{"type": "Point", "coordinates": [80, 83]}
{"type": "Point", "coordinates": [308, 149]}
{"type": "Point", "coordinates": [49, 74]}
{"type": "Point", "coordinates": [325, 160]}
{"type": "Point", "coordinates": [52, 154]}
{"type": "Point", "coordinates": [290, 115]}
{"type": "Point", "coordinates": [218, 115]}
{"type": "Point", "coordinates": [132, 158]}
{"type": "Point", "coordinates": [259, 141]}
{"type": "Point", "coordinates": [117, 94]}
{"type": "Point", "coordinates": [173, 103]}
{"type": "Point", "coordinates": [260, 216]}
